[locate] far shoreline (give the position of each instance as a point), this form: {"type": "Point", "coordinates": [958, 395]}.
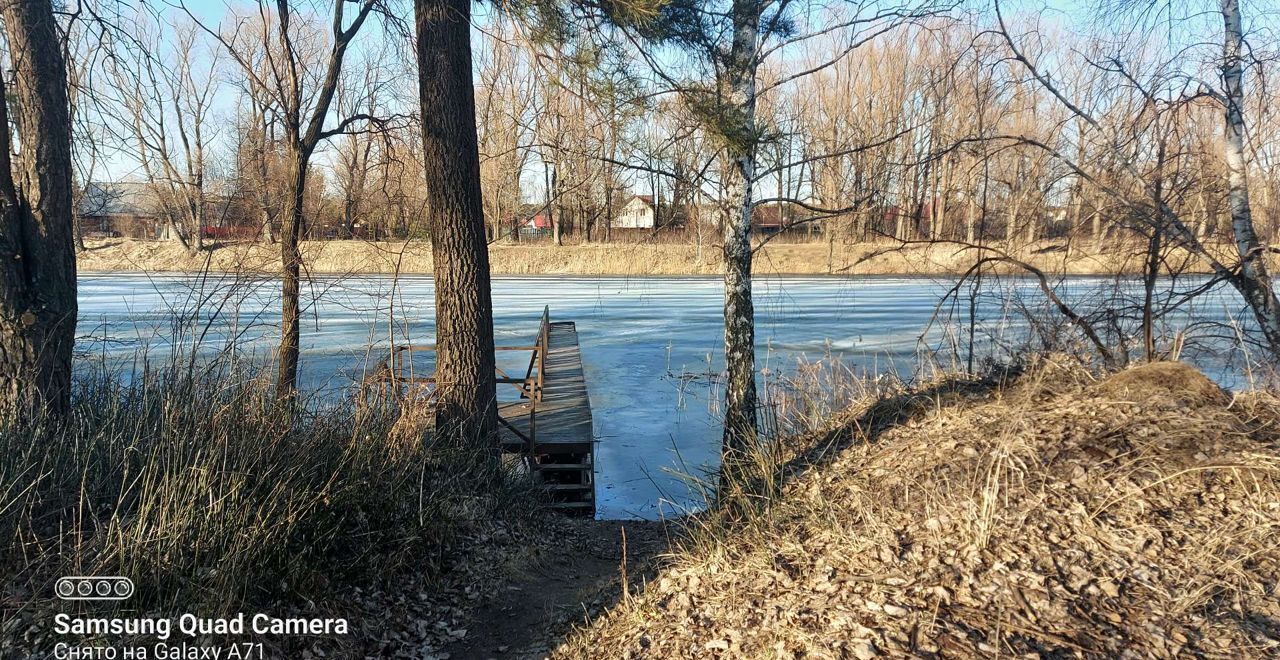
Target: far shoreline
{"type": "Point", "coordinates": [775, 259]}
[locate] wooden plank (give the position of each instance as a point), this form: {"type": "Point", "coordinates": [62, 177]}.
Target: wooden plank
{"type": "Point", "coordinates": [572, 488]}
{"type": "Point", "coordinates": [564, 413]}
{"type": "Point", "coordinates": [585, 505]}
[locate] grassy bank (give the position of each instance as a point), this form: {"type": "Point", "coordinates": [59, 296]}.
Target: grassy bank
{"type": "Point", "coordinates": [1050, 515]}
{"type": "Point", "coordinates": [215, 499]}
{"type": "Point", "coordinates": [776, 257]}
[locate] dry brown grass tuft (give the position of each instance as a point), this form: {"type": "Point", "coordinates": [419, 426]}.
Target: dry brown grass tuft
{"type": "Point", "coordinates": [1055, 516]}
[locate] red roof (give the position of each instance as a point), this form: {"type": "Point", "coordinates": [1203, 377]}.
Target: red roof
{"type": "Point", "coordinates": [768, 216]}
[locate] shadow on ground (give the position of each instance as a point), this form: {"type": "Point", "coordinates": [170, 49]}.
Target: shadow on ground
{"type": "Point", "coordinates": [578, 582]}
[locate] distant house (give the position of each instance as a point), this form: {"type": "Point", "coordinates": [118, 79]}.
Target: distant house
{"type": "Point", "coordinates": [223, 221]}
{"type": "Point", "coordinates": [531, 221]}
{"type": "Point", "coordinates": [638, 213]}
{"type": "Point", "coordinates": [775, 217]}
{"type": "Point", "coordinates": [539, 222]}
{"type": "Point", "coordinates": [128, 209]}
{"type": "Point", "coordinates": [767, 218]}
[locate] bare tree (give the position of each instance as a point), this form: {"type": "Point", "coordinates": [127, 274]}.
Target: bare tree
{"type": "Point", "coordinates": [356, 152]}
{"type": "Point", "coordinates": [300, 78]}
{"type": "Point", "coordinates": [1254, 282]}
{"type": "Point", "coordinates": [504, 99]}
{"type": "Point", "coordinates": [1119, 172]}
{"type": "Point", "coordinates": [164, 83]}
{"type": "Point", "coordinates": [89, 136]}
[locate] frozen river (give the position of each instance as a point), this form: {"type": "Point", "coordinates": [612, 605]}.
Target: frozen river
{"type": "Point", "coordinates": [648, 344]}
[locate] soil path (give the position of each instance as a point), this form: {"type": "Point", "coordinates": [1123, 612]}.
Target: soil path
{"type": "Point", "coordinates": [581, 578]}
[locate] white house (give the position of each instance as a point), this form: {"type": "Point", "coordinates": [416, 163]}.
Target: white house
{"type": "Point", "coordinates": [637, 213]}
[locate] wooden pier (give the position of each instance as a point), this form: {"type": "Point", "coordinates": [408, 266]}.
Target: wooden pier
{"type": "Point", "coordinates": [549, 423]}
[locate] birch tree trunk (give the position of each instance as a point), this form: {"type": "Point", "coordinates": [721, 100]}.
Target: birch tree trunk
{"type": "Point", "coordinates": [1253, 282]}
{"type": "Point", "coordinates": [740, 426]}
{"type": "Point", "coordinates": [37, 253]}
{"type": "Point", "coordinates": [467, 404]}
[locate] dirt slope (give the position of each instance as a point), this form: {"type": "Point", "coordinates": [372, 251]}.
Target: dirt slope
{"type": "Point", "coordinates": [1057, 517]}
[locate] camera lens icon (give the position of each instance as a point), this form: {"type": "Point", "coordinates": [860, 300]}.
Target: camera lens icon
{"type": "Point", "coordinates": [83, 587]}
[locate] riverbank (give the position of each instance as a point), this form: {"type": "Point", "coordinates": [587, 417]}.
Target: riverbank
{"type": "Point", "coordinates": [1052, 514]}
{"type": "Point", "coordinates": [626, 259]}
{"type": "Point", "coordinates": [1045, 512]}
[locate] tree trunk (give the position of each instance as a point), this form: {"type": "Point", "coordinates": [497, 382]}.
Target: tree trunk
{"type": "Point", "coordinates": [198, 219]}
{"type": "Point", "coordinates": [38, 275]}
{"type": "Point", "coordinates": [267, 236]}
{"type": "Point", "coordinates": [264, 175]}
{"type": "Point", "coordinates": [1202, 225]}
{"type": "Point", "coordinates": [939, 216]}
{"type": "Point", "coordinates": [1151, 270]}
{"type": "Point", "coordinates": [467, 402]}
{"type": "Point", "coordinates": [174, 233]}
{"type": "Point", "coordinates": [291, 271]}
{"type": "Point", "coordinates": [348, 218]}
{"type": "Point", "coordinates": [77, 230]}
{"type": "Point", "coordinates": [970, 220]}
{"type": "Point", "coordinates": [1254, 283]}
{"type": "Point", "coordinates": [1150, 275]}
{"type": "Point", "coordinates": [608, 213]}
{"type": "Point", "coordinates": [740, 425]}
{"type": "Point", "coordinates": [553, 207]}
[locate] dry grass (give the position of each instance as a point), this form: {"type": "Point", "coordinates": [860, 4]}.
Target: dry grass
{"type": "Point", "coordinates": [1054, 516]}
{"type": "Point", "coordinates": [622, 258]}
{"type": "Point", "coordinates": [214, 498]}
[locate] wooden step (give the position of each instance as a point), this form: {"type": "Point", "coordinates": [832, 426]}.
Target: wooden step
{"type": "Point", "coordinates": [565, 488]}
{"type": "Point", "coordinates": [583, 506]}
